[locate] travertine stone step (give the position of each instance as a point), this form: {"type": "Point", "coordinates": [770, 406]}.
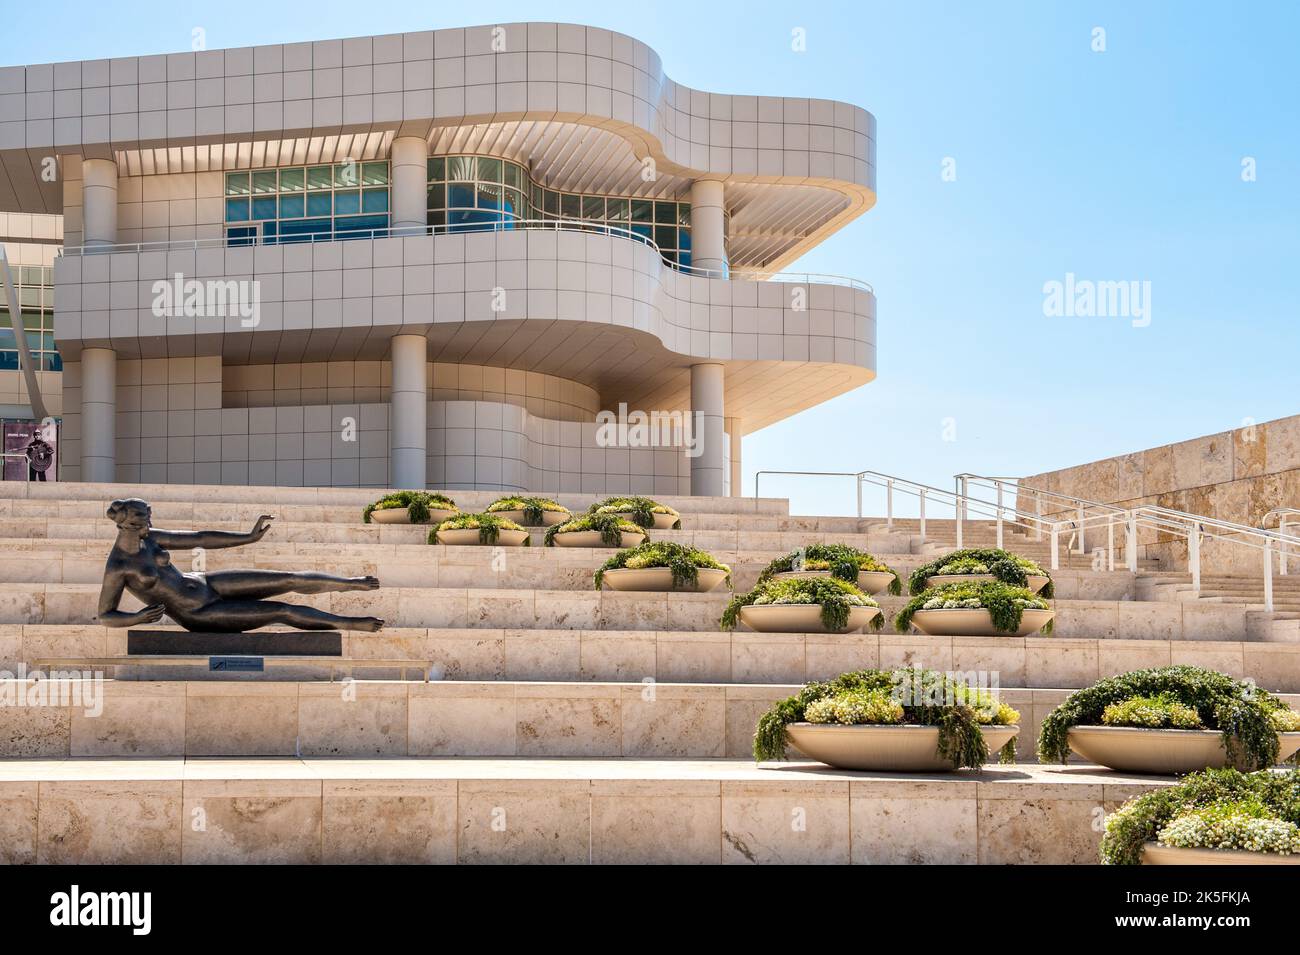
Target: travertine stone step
{"type": "Point", "coordinates": [366, 719]}
{"type": "Point", "coordinates": [717, 657]}
{"type": "Point", "coordinates": [418, 564]}
{"type": "Point", "coordinates": [547, 811]}
{"type": "Point", "coordinates": [76, 604]}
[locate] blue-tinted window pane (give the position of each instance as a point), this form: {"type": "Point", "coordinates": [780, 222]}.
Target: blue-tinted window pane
{"type": "Point", "coordinates": [303, 227]}
{"type": "Point", "coordinates": [684, 258]}
{"type": "Point", "coordinates": [641, 229]}
{"type": "Point", "coordinates": [264, 207]}
{"type": "Point", "coordinates": [460, 195]}
{"type": "Point", "coordinates": [52, 361]}
{"type": "Point", "coordinates": [684, 239]}
{"type": "Point", "coordinates": [374, 200]}
{"type": "Point", "coordinates": [363, 224]}
{"type": "Point", "coordinates": [241, 235]}
{"type": "Point", "coordinates": [291, 207]}
{"type": "Point", "coordinates": [318, 204]}
{"type": "Point", "coordinates": [236, 210]}
{"type": "Point", "coordinates": [8, 360]}
{"type": "Point", "coordinates": [347, 203]}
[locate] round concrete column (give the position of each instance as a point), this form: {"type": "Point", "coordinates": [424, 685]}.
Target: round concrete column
{"type": "Point", "coordinates": [410, 184]}
{"type": "Point", "coordinates": [733, 443]}
{"type": "Point", "coordinates": [99, 202]}
{"type": "Point", "coordinates": [99, 415]}
{"type": "Point", "coordinates": [708, 226]}
{"type": "Point", "coordinates": [709, 464]}
{"type": "Point", "coordinates": [408, 415]}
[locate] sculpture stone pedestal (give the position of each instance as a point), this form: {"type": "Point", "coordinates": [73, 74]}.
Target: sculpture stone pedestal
{"type": "Point", "coordinates": [259, 643]}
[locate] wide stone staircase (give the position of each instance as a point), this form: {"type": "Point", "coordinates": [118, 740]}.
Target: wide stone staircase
{"type": "Point", "coordinates": [538, 719]}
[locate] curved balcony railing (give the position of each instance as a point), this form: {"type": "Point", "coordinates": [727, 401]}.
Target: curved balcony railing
{"type": "Point", "coordinates": [510, 225]}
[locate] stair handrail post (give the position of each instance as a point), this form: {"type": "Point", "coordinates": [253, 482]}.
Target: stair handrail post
{"type": "Point", "coordinates": [1110, 542]}
{"type": "Point", "coordinates": [889, 504]}
{"type": "Point", "coordinates": [923, 515]}
{"type": "Point", "coordinates": [959, 507]}
{"type": "Point", "coordinates": [1038, 512]}
{"type": "Point", "coordinates": [858, 482]}
{"type": "Point", "coordinates": [1194, 555]}
{"type": "Point", "coordinates": [1131, 542]}
{"type": "Point", "coordinates": [1268, 573]}
{"type": "Point", "coordinates": [1083, 547]}
{"type": "Point", "coordinates": [1056, 546]}
{"type": "Point", "coordinates": [999, 483]}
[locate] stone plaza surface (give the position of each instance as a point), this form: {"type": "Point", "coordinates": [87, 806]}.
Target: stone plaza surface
{"type": "Point", "coordinates": [546, 811]}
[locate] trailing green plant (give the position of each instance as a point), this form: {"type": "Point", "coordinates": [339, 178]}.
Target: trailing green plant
{"type": "Point", "coordinates": [419, 504]}
{"type": "Point", "coordinates": [840, 560]}
{"type": "Point", "coordinates": [683, 560]}
{"type": "Point", "coordinates": [889, 697]}
{"type": "Point", "coordinates": [1001, 564]}
{"type": "Point", "coordinates": [1243, 713]}
{"type": "Point", "coordinates": [611, 528]}
{"type": "Point", "coordinates": [534, 508]}
{"type": "Point", "coordinates": [641, 510]}
{"type": "Point", "coordinates": [1151, 712]}
{"type": "Point", "coordinates": [836, 597]}
{"type": "Point", "coordinates": [489, 527]}
{"type": "Point", "coordinates": [1218, 805]}
{"type": "Point", "coordinates": [1004, 602]}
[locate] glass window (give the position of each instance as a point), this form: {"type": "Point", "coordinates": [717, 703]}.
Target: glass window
{"type": "Point", "coordinates": [593, 207]}
{"type": "Point", "coordinates": [437, 169]}
{"type": "Point", "coordinates": [642, 229]}
{"type": "Point", "coordinates": [489, 170]}
{"type": "Point", "coordinates": [642, 210]}
{"type": "Point", "coordinates": [460, 195]}
{"type": "Point", "coordinates": [666, 237]}
{"type": "Point", "coordinates": [241, 235]}
{"type": "Point", "coordinates": [319, 204]}
{"type": "Point", "coordinates": [437, 196]}
{"type": "Point", "coordinates": [514, 176]}
{"type": "Point", "coordinates": [265, 181]}
{"type": "Point", "coordinates": [291, 180]}
{"type": "Point", "coordinates": [291, 207]}
{"type": "Point", "coordinates": [264, 207]}
{"type": "Point", "coordinates": [236, 210]}
{"type": "Point", "coordinates": [515, 204]}
{"type": "Point", "coordinates": [437, 218]}
{"type": "Point", "coordinates": [374, 200]}
{"type": "Point", "coordinates": [551, 202]}
{"type": "Point", "coordinates": [666, 212]}
{"type": "Point", "coordinates": [684, 213]}
{"type": "Point", "coordinates": [236, 183]}
{"type": "Point", "coordinates": [320, 177]}
{"type": "Point", "coordinates": [298, 229]}
{"type": "Point", "coordinates": [462, 167]}
{"type": "Point", "coordinates": [616, 209]}
{"type": "Point", "coordinates": [365, 225]}
{"type": "Point", "coordinates": [374, 174]}
{"type": "Point", "coordinates": [570, 207]}
{"type": "Point", "coordinates": [347, 174]}
{"type": "Point", "coordinates": [346, 203]}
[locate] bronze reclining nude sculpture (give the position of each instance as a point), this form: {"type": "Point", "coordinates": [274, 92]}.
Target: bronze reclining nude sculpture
{"type": "Point", "coordinates": [227, 601]}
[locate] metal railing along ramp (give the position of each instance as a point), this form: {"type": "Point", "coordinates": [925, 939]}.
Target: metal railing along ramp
{"type": "Point", "coordinates": [1007, 502]}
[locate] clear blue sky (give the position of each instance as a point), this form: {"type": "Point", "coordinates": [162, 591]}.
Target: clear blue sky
{"type": "Point", "coordinates": [1122, 165]}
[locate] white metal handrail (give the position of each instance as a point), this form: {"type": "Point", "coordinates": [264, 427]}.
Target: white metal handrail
{"type": "Point", "coordinates": [468, 228]}
{"type": "Point", "coordinates": [1193, 528]}
{"type": "Point", "coordinates": [1283, 516]}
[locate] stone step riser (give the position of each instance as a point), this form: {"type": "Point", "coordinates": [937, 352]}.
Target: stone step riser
{"type": "Point", "coordinates": [739, 658]}
{"type": "Point", "coordinates": [394, 720]}
{"type": "Point", "coordinates": [647, 812]}
{"type": "Point", "coordinates": [76, 605]}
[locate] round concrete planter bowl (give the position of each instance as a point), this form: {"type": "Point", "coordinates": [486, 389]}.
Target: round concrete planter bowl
{"type": "Point", "coordinates": [467, 536]}
{"type": "Point", "coordinates": [402, 515]}
{"type": "Point", "coordinates": [1163, 752]}
{"type": "Point", "coordinates": [869, 581]}
{"type": "Point", "coordinates": [1034, 583]}
{"type": "Point", "coordinates": [663, 522]}
{"type": "Point", "coordinates": [592, 539]}
{"type": "Point", "coordinates": [1155, 854]}
{"type": "Point", "coordinates": [661, 579]}
{"type": "Point", "coordinates": [895, 749]}
{"type": "Point", "coordinates": [549, 518]}
{"type": "Point", "coordinates": [974, 622]}
{"type": "Point", "coordinates": [801, 618]}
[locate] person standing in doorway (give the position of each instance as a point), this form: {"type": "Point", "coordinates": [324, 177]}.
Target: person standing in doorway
{"type": "Point", "coordinates": [39, 457]}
